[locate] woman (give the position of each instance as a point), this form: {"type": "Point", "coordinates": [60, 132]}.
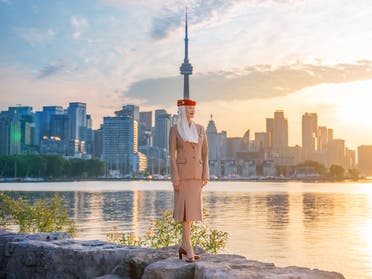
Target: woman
{"type": "Point", "coordinates": [189, 172]}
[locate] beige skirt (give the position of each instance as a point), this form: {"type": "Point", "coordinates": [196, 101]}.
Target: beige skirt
{"type": "Point", "coordinates": [188, 201]}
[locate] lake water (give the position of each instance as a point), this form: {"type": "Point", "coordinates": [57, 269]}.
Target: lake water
{"type": "Point", "coordinates": [317, 225]}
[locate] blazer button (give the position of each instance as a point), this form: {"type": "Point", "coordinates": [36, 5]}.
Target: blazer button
{"type": "Point", "coordinates": [193, 147]}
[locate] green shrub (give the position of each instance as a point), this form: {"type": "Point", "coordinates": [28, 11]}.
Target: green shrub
{"type": "Point", "coordinates": [166, 231]}
{"type": "Point", "coordinates": [43, 216]}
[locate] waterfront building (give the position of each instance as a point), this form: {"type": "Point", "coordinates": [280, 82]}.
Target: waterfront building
{"type": "Point", "coordinates": [120, 143]}
{"type": "Point", "coordinates": [97, 143]}
{"type": "Point", "coordinates": [162, 128]}
{"type": "Point", "coordinates": [309, 134]}
{"type": "Point", "coordinates": [247, 168]}
{"type": "Point", "coordinates": [216, 142]}
{"type": "Point", "coordinates": [10, 133]}
{"type": "Point", "coordinates": [144, 128]}
{"type": "Point", "coordinates": [59, 126]}
{"type": "Point", "coordinates": [129, 111]}
{"type": "Point", "coordinates": [45, 120]}
{"type": "Point", "coordinates": [233, 146]}
{"type": "Point", "coordinates": [78, 120]}
{"type": "Point", "coordinates": [25, 116]}
{"type": "Point", "coordinates": [335, 153]}
{"type": "Point", "coordinates": [350, 159]}
{"type": "Point", "coordinates": [139, 162]}
{"type": "Point", "coordinates": [365, 159]}
{"type": "Point", "coordinates": [277, 131]}
{"type": "Point", "coordinates": [268, 168]}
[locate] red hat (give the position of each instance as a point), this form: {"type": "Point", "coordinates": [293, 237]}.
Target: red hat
{"type": "Point", "coordinates": [186, 102]}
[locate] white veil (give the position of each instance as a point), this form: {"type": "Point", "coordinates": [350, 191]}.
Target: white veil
{"type": "Point", "coordinates": [187, 133]}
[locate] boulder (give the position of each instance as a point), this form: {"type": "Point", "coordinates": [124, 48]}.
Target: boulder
{"type": "Point", "coordinates": [56, 255]}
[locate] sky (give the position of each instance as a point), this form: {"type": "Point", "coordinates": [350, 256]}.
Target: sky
{"type": "Point", "coordinates": [250, 58]}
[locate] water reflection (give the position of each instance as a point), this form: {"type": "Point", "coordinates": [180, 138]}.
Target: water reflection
{"type": "Point", "coordinates": [326, 226]}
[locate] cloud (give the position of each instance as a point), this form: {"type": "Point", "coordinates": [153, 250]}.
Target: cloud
{"type": "Point", "coordinates": [79, 24]}
{"type": "Point", "coordinates": [172, 17]}
{"type": "Point", "coordinates": [35, 36]}
{"type": "Point", "coordinates": [53, 69]}
{"type": "Point", "coordinates": [256, 82]}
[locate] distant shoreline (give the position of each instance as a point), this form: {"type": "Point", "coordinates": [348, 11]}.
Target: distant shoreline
{"type": "Point", "coordinates": [263, 179]}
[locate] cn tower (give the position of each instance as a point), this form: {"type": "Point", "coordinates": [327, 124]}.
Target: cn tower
{"type": "Point", "coordinates": [186, 68]}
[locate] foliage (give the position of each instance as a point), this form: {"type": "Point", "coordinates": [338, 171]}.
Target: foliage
{"type": "Point", "coordinates": [43, 216]}
{"type": "Point", "coordinates": [318, 167]}
{"type": "Point", "coordinates": [354, 174]}
{"type": "Point", "coordinates": [49, 166]}
{"type": "Point", "coordinates": [336, 171]}
{"type": "Point", "coordinates": [166, 231]}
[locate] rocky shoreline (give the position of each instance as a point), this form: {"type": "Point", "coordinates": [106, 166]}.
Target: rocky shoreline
{"type": "Point", "coordinates": [56, 255]}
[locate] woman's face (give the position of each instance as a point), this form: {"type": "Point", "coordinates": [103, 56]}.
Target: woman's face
{"type": "Point", "coordinates": [190, 111]}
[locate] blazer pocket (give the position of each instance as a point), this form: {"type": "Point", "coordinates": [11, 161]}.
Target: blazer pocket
{"type": "Point", "coordinates": [181, 161]}
{"type": "Point", "coordinates": [200, 161]}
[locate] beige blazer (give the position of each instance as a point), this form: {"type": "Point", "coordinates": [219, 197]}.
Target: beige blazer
{"type": "Point", "coordinates": [188, 160]}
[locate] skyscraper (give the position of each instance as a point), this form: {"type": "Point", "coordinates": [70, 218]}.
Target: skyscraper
{"type": "Point", "coordinates": [186, 68]}
{"type": "Point", "coordinates": [144, 128]}
{"type": "Point", "coordinates": [162, 128]}
{"type": "Point", "coordinates": [277, 130]}
{"type": "Point", "coordinates": [59, 126]}
{"type": "Point", "coordinates": [365, 159]}
{"type": "Point", "coordinates": [130, 111]}
{"type": "Point", "coordinates": [309, 134]}
{"type": "Point", "coordinates": [10, 133]}
{"type": "Point", "coordinates": [27, 126]}
{"type": "Point", "coordinates": [78, 119]}
{"type": "Point", "coordinates": [46, 116]}
{"type": "Point", "coordinates": [119, 143]}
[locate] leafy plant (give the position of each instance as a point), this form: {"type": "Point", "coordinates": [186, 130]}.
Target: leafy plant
{"type": "Point", "coordinates": [166, 231]}
{"type": "Point", "coordinates": [43, 216]}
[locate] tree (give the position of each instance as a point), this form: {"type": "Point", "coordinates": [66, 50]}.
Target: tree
{"type": "Point", "coordinates": [354, 174]}
{"type": "Point", "coordinates": [318, 167]}
{"type": "Point", "coordinates": [336, 171]}
{"type": "Point", "coordinates": [95, 167]}
{"type": "Point", "coordinates": [54, 165]}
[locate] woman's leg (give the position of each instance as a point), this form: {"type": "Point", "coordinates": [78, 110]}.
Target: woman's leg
{"type": "Point", "coordinates": [186, 238]}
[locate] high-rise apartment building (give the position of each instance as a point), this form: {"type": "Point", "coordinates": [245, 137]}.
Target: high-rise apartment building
{"type": "Point", "coordinates": [335, 153]}
{"type": "Point", "coordinates": [309, 134]}
{"type": "Point", "coordinates": [119, 143]}
{"type": "Point", "coordinates": [10, 133]}
{"type": "Point", "coordinates": [365, 159]}
{"type": "Point", "coordinates": [277, 130]}
{"type": "Point", "coordinates": [130, 111]}
{"type": "Point", "coordinates": [144, 128]}
{"type": "Point", "coordinates": [162, 128]}
{"type": "Point", "coordinates": [25, 115]}
{"type": "Point", "coordinates": [59, 126]}
{"type": "Point", "coordinates": [322, 139]}
{"type": "Point", "coordinates": [45, 120]}
{"type": "Point", "coordinates": [77, 113]}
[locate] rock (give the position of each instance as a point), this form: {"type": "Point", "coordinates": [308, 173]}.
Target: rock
{"type": "Point", "coordinates": [171, 268]}
{"type": "Point", "coordinates": [137, 260]}
{"type": "Point", "coordinates": [234, 266]}
{"type": "Point", "coordinates": [55, 255]}
{"type": "Point", "coordinates": [230, 266]}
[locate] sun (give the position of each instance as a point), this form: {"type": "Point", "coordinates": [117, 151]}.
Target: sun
{"type": "Point", "coordinates": [356, 110]}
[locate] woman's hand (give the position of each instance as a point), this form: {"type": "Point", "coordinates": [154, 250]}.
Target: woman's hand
{"type": "Point", "coordinates": [176, 186]}
{"type": "Point", "coordinates": [204, 182]}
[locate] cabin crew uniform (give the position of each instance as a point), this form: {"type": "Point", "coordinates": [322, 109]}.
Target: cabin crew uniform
{"type": "Point", "coordinates": [189, 165]}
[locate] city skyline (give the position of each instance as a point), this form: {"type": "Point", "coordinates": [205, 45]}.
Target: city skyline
{"type": "Point", "coordinates": [252, 58]}
{"type": "Point", "coordinates": [211, 117]}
